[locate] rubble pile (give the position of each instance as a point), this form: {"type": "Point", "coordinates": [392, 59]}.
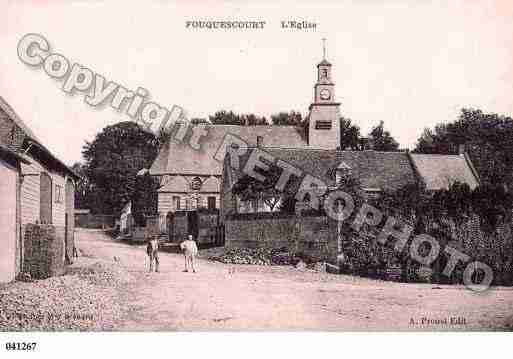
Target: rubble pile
{"type": "Point", "coordinates": [83, 300]}
{"type": "Point", "coordinates": [259, 256]}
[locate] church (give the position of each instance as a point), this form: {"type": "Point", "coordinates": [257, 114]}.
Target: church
{"type": "Point", "coordinates": [192, 179]}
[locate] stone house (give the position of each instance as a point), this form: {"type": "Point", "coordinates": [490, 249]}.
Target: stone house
{"type": "Point", "coordinates": [191, 179]}
{"type": "Point", "coordinates": [46, 189]}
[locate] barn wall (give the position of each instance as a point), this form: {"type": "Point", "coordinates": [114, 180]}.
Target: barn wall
{"type": "Point", "coordinates": [30, 194]}
{"type": "Point", "coordinates": [9, 246]}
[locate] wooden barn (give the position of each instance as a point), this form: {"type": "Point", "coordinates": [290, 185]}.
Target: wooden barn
{"type": "Point", "coordinates": [38, 188]}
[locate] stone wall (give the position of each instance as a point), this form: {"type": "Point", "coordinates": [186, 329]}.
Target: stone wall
{"type": "Point", "coordinates": [259, 231]}
{"type": "Point", "coordinates": [43, 250]}
{"type": "Point", "coordinates": [312, 236]}
{"type": "Point", "coordinates": [316, 236]}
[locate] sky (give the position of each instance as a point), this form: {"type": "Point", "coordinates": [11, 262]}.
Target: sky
{"type": "Point", "coordinates": [412, 63]}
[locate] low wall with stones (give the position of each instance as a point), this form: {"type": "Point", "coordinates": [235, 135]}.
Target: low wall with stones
{"type": "Point", "coordinates": [310, 236]}
{"type": "Point", "coordinates": [43, 250]}
{"type": "Point", "coordinates": [256, 232]}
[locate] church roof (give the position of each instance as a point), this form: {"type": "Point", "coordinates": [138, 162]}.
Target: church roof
{"type": "Point", "coordinates": [180, 158]}
{"type": "Point", "coordinates": [386, 171]}
{"type": "Point", "coordinates": [440, 171]}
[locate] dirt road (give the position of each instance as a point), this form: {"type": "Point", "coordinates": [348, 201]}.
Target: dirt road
{"type": "Point", "coordinates": [238, 297]}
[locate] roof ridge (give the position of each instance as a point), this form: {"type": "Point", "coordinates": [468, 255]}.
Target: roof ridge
{"type": "Point", "coordinates": [294, 148]}
{"type": "Point", "coordinates": [4, 105]}
{"type": "Point", "coordinates": [248, 126]}
{"type": "Point", "coordinates": [437, 154]}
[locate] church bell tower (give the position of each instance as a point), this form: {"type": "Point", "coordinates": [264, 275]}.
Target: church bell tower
{"type": "Point", "coordinates": [324, 124]}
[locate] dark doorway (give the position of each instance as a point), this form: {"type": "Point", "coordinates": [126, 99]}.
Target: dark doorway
{"type": "Point", "coordinates": [45, 198]}
{"type": "Point", "coordinates": [192, 223]}
{"type": "Point", "coordinates": [211, 202]}
{"type": "Point", "coordinates": [70, 223]}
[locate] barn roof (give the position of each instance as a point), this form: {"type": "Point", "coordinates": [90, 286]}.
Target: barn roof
{"type": "Point", "coordinates": [30, 137]}
{"type": "Point", "coordinates": [440, 171]}
{"type": "Point", "coordinates": [180, 158]}
{"type": "Point", "coordinates": [5, 107]}
{"type": "Point", "coordinates": [8, 153]}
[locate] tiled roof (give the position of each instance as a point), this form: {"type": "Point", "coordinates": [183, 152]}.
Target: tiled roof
{"type": "Point", "coordinates": [315, 162]}
{"type": "Point", "coordinates": [180, 158]}
{"type": "Point", "coordinates": [4, 106]}
{"type": "Point", "coordinates": [387, 171]}
{"type": "Point", "coordinates": [440, 171]}
{"type": "Point", "coordinates": [10, 121]}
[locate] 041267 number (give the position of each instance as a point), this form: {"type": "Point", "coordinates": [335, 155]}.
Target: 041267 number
{"type": "Point", "coordinates": [24, 346]}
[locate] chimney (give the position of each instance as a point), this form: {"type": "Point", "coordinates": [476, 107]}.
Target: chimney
{"type": "Point", "coordinates": [260, 140]}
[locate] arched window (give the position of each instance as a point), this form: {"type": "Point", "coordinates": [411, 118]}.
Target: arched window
{"type": "Point", "coordinates": [45, 198]}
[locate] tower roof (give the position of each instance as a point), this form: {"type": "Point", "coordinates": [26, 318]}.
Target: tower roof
{"type": "Point", "coordinates": [324, 62]}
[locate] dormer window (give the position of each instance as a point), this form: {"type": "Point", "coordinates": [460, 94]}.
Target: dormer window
{"type": "Point", "coordinates": [343, 171]}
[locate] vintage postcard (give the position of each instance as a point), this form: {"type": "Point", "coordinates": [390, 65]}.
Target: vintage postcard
{"type": "Point", "coordinates": [175, 166]}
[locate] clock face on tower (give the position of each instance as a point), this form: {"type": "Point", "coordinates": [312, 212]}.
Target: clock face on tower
{"type": "Point", "coordinates": [325, 94]}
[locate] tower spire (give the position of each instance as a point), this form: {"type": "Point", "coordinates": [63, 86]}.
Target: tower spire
{"type": "Point", "coordinates": [324, 48]}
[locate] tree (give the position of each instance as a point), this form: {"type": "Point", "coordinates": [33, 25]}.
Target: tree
{"type": "Point", "coordinates": [112, 161]}
{"type": "Point", "coordinates": [350, 137]}
{"type": "Point", "coordinates": [199, 121]}
{"type": "Point", "coordinates": [487, 139]}
{"type": "Point", "coordinates": [382, 140]}
{"type": "Point", "coordinates": [225, 118]}
{"type": "Point", "coordinates": [231, 118]}
{"type": "Point", "coordinates": [82, 187]}
{"type": "Point", "coordinates": [144, 198]}
{"type": "Point", "coordinates": [292, 118]}
{"type": "Point", "coordinates": [249, 188]}
{"type": "Point", "coordinates": [253, 120]}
